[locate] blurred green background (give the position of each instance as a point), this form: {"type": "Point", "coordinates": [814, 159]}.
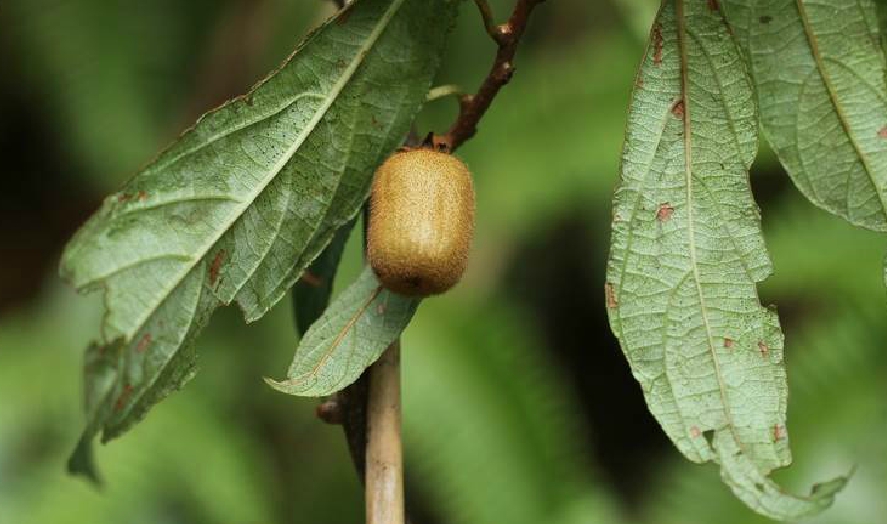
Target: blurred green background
{"type": "Point", "coordinates": [519, 407]}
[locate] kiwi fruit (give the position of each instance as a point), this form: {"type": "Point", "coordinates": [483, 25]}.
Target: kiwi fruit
{"type": "Point", "coordinates": [421, 221]}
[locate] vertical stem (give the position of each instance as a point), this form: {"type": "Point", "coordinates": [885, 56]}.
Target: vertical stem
{"type": "Point", "coordinates": [384, 457]}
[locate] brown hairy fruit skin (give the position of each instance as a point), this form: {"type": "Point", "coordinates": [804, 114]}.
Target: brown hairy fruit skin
{"type": "Point", "coordinates": [421, 222]}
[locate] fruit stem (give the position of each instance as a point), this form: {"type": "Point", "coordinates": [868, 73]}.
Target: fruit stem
{"type": "Point", "coordinates": [384, 455]}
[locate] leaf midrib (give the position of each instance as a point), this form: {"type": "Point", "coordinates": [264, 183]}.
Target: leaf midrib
{"type": "Point", "coordinates": [688, 173]}
{"type": "Point", "coordinates": [836, 104]}
{"type": "Point", "coordinates": [340, 336]}
{"type": "Point", "coordinates": [328, 101]}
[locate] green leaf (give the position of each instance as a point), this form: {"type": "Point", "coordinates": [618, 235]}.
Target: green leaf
{"type": "Point", "coordinates": [352, 334]}
{"type": "Point", "coordinates": [235, 210]}
{"type": "Point", "coordinates": [819, 71]}
{"type": "Point", "coordinates": [311, 294]}
{"type": "Point", "coordinates": [687, 252]}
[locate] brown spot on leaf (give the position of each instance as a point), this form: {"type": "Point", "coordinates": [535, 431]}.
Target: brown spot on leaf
{"type": "Point", "coordinates": [882, 132]}
{"type": "Point", "coordinates": [663, 214]}
{"type": "Point", "coordinates": [639, 82]}
{"type": "Point", "coordinates": [311, 279]}
{"type": "Point", "coordinates": [778, 433]}
{"type": "Point", "coordinates": [611, 295]}
{"type": "Point", "coordinates": [766, 19]}
{"type": "Point", "coordinates": [144, 343]}
{"type": "Point", "coordinates": [124, 197]}
{"type": "Point", "coordinates": [123, 398]}
{"type": "Point", "coordinates": [216, 266]}
{"type": "Point", "coordinates": [713, 5]}
{"type": "Point", "coordinates": [695, 432]}
{"type": "Point", "coordinates": [657, 44]}
{"type": "Point", "coordinates": [142, 195]}
{"type": "Point", "coordinates": [728, 342]}
{"type": "Point", "coordinates": [763, 348]}
{"type": "Point", "coordinates": [678, 108]}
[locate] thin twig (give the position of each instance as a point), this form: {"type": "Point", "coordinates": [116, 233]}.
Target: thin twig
{"type": "Point", "coordinates": [472, 107]}
{"type": "Point", "coordinates": [486, 15]}
{"type": "Point", "coordinates": [384, 458]}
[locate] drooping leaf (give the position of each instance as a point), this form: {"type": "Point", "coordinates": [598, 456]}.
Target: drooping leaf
{"type": "Point", "coordinates": [237, 208]}
{"type": "Point", "coordinates": [311, 294]}
{"type": "Point", "coordinates": [351, 334]}
{"type": "Point", "coordinates": [847, 385]}
{"type": "Point", "coordinates": [687, 252]}
{"type": "Point", "coordinates": [819, 71]}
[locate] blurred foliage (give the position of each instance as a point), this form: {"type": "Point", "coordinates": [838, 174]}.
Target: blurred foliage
{"type": "Point", "coordinates": [496, 429]}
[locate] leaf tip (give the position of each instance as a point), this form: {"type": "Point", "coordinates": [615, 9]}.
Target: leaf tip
{"type": "Point", "coordinates": [81, 462]}
{"type": "Point", "coordinates": [823, 494]}
{"type": "Point", "coordinates": [283, 386]}
{"type": "Point", "coordinates": [300, 387]}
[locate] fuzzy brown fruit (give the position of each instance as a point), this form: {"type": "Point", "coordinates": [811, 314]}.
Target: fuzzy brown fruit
{"type": "Point", "coordinates": [421, 222]}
